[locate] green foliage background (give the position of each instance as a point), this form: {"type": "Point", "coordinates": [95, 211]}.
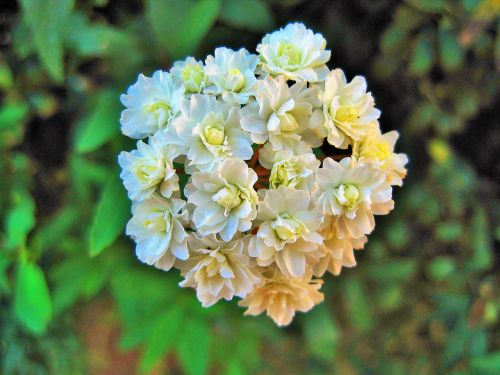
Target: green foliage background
{"type": "Point", "coordinates": [424, 298]}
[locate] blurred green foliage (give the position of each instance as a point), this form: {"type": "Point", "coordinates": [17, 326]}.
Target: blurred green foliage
{"type": "Point", "coordinates": [424, 297]}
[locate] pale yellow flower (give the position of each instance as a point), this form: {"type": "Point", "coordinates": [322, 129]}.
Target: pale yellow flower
{"type": "Point", "coordinates": [378, 148]}
{"type": "Point", "coordinates": [349, 111]}
{"type": "Point", "coordinates": [337, 252]}
{"type": "Point", "coordinates": [295, 53]}
{"type": "Point", "coordinates": [352, 192]}
{"type": "Point", "coordinates": [287, 233]}
{"type": "Point", "coordinates": [281, 297]}
{"type": "Point", "coordinates": [218, 269]}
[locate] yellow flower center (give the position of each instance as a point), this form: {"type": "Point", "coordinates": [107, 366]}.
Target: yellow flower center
{"type": "Point", "coordinates": [280, 173]}
{"type": "Point", "coordinates": [235, 80]}
{"type": "Point", "coordinates": [346, 113]}
{"type": "Point", "coordinates": [348, 196]}
{"type": "Point", "coordinates": [378, 149]}
{"type": "Point", "coordinates": [192, 75]}
{"type": "Point", "coordinates": [159, 110]}
{"type": "Point", "coordinates": [287, 228]}
{"type": "Point", "coordinates": [145, 171]}
{"type": "Point", "coordinates": [288, 123]}
{"type": "Point", "coordinates": [289, 54]}
{"type": "Point", "coordinates": [158, 221]}
{"type": "Point", "coordinates": [215, 134]}
{"type": "Point", "coordinates": [228, 197]}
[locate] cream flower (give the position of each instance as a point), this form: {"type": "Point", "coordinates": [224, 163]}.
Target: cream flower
{"type": "Point", "coordinates": [281, 297]}
{"type": "Point", "coordinates": [379, 149]}
{"type": "Point", "coordinates": [232, 74]}
{"type": "Point", "coordinates": [352, 192]}
{"type": "Point", "coordinates": [208, 131]}
{"type": "Point", "coordinates": [287, 233]}
{"type": "Point", "coordinates": [147, 168]}
{"type": "Point", "coordinates": [151, 103]}
{"type": "Point", "coordinates": [218, 269]}
{"type": "Point", "coordinates": [349, 110]}
{"type": "Point", "coordinates": [292, 168]}
{"type": "Point", "coordinates": [157, 226]}
{"type": "Point", "coordinates": [224, 199]}
{"type": "Point", "coordinates": [337, 252]}
{"type": "Point", "coordinates": [282, 114]}
{"type": "Point", "coordinates": [189, 73]}
{"type": "Point", "coordinates": [296, 53]}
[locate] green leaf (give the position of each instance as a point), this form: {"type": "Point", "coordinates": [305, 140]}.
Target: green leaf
{"type": "Point", "coordinates": [482, 257]}
{"type": "Point", "coordinates": [4, 279]}
{"type": "Point", "coordinates": [359, 308]}
{"type": "Point", "coordinates": [441, 267]}
{"type": "Point", "coordinates": [423, 55]}
{"type": "Point", "coordinates": [194, 347]}
{"type": "Point", "coordinates": [32, 303]}
{"type": "Point", "coordinates": [321, 333]}
{"type": "Point", "coordinates": [252, 15]}
{"type": "Point", "coordinates": [449, 231]}
{"type": "Point", "coordinates": [47, 20]}
{"type": "Point", "coordinates": [431, 6]}
{"type": "Point", "coordinates": [164, 334]}
{"type": "Point", "coordinates": [6, 78]}
{"type": "Point", "coordinates": [100, 123]}
{"type": "Point", "coordinates": [12, 115]}
{"type": "Point", "coordinates": [395, 270]}
{"type": "Point", "coordinates": [113, 211]}
{"type": "Point", "coordinates": [20, 220]}
{"type": "Point", "coordinates": [179, 27]}
{"type": "Point", "coordinates": [486, 364]}
{"type": "Point", "coordinates": [450, 52]}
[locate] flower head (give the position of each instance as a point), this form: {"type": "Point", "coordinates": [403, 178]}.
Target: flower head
{"type": "Point", "coordinates": [232, 74]}
{"type": "Point", "coordinates": [218, 269]}
{"type": "Point", "coordinates": [151, 103]}
{"type": "Point", "coordinates": [294, 52]}
{"type": "Point", "coordinates": [349, 110]}
{"type": "Point", "coordinates": [157, 226]}
{"type": "Point", "coordinates": [337, 252]}
{"type": "Point", "coordinates": [352, 192]}
{"type": "Point", "coordinates": [224, 199]}
{"type": "Point", "coordinates": [291, 168]}
{"type": "Point", "coordinates": [208, 131]}
{"type": "Point", "coordinates": [287, 233]}
{"type": "Point", "coordinates": [148, 168]}
{"type": "Point", "coordinates": [281, 297]}
{"type": "Point", "coordinates": [378, 148]}
{"type": "Point", "coordinates": [282, 114]}
{"type": "Point", "coordinates": [189, 73]}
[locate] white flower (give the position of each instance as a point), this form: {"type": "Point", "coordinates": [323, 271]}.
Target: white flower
{"type": "Point", "coordinates": [189, 73]}
{"type": "Point", "coordinates": [281, 297]}
{"type": "Point", "coordinates": [218, 269]}
{"type": "Point", "coordinates": [208, 131]}
{"type": "Point", "coordinates": [378, 148]}
{"type": "Point", "coordinates": [292, 168]}
{"type": "Point", "coordinates": [352, 192]}
{"type": "Point", "coordinates": [232, 74]}
{"type": "Point", "coordinates": [147, 168]}
{"type": "Point", "coordinates": [224, 199]}
{"type": "Point", "coordinates": [157, 226]}
{"type": "Point", "coordinates": [287, 231]}
{"type": "Point", "coordinates": [151, 103]}
{"type": "Point", "coordinates": [349, 110]}
{"type": "Point", "coordinates": [282, 114]}
{"type": "Point", "coordinates": [296, 53]}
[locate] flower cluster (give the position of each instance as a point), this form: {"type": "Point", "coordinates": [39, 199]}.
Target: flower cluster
{"type": "Point", "coordinates": [228, 184]}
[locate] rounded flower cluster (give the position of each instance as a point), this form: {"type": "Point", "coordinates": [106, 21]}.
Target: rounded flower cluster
{"type": "Point", "coordinates": [229, 184]}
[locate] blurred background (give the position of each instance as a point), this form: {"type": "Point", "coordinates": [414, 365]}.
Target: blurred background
{"type": "Point", "coordinates": [424, 298]}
